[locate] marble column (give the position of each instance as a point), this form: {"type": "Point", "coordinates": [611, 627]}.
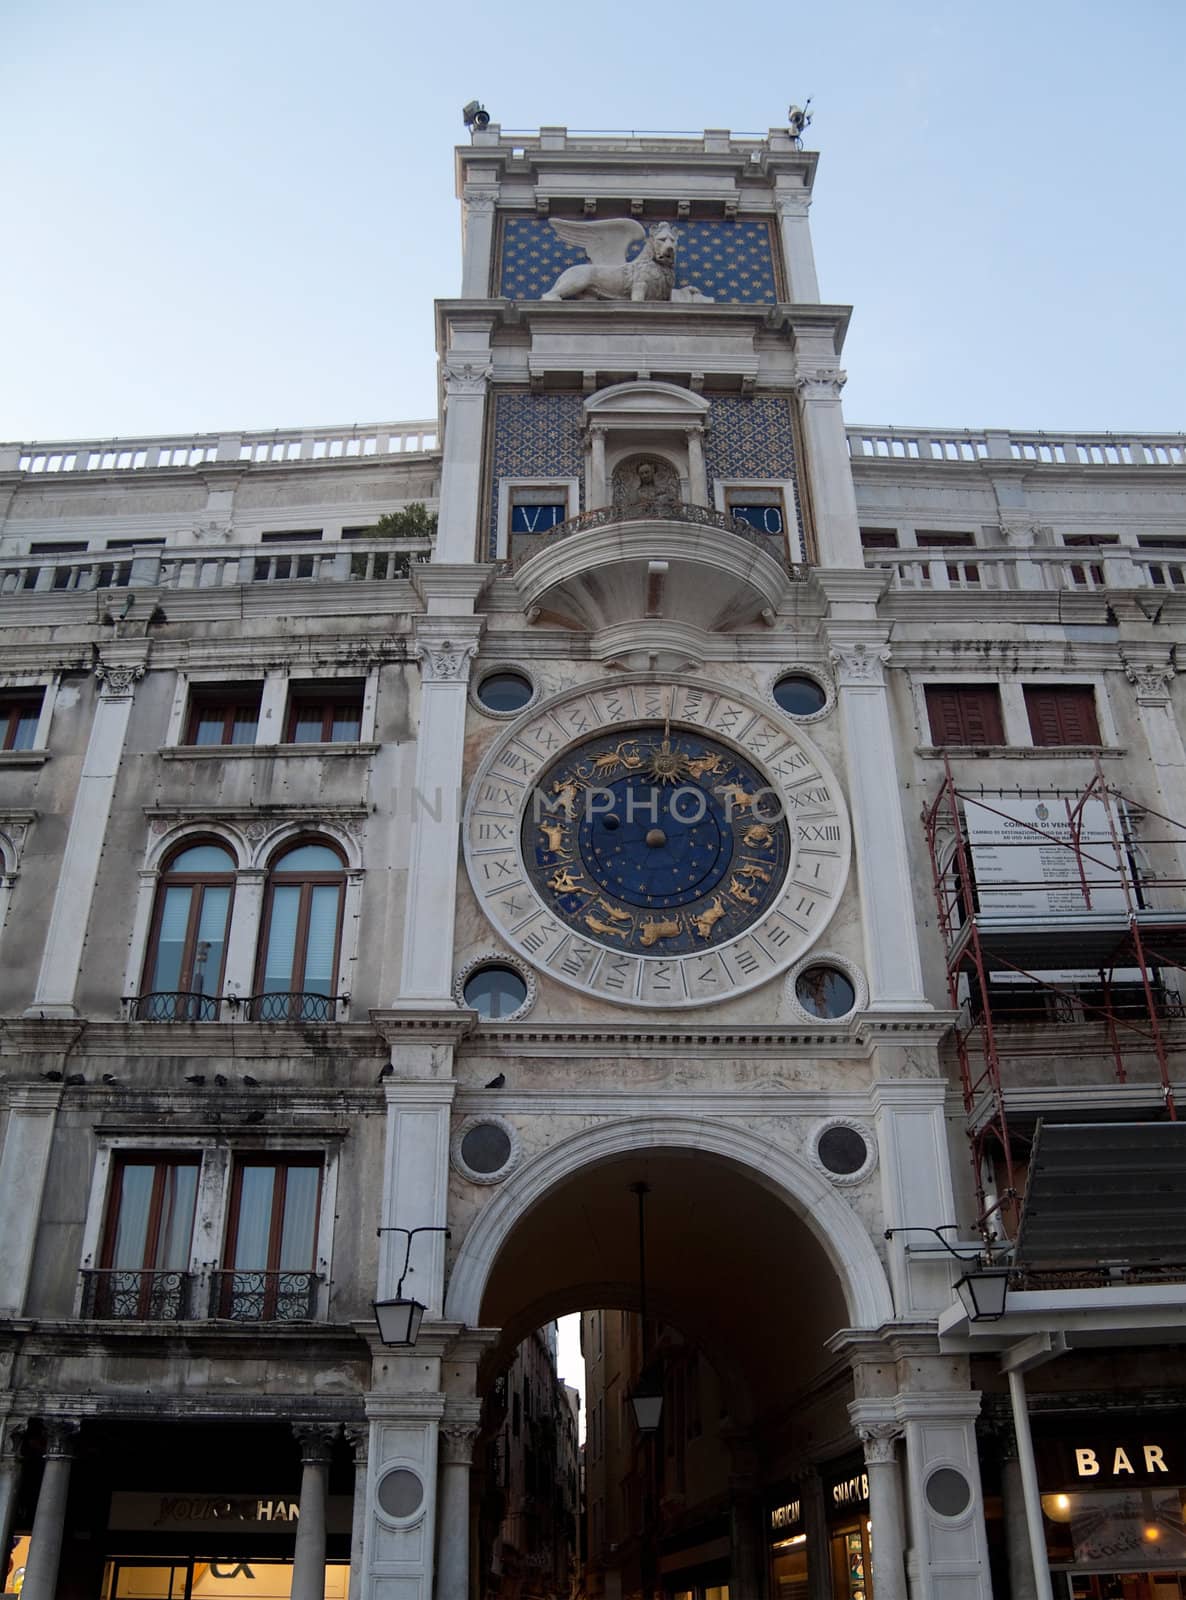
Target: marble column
{"type": "Point", "coordinates": [697, 475]}
{"type": "Point", "coordinates": [1017, 1538]}
{"type": "Point", "coordinates": [308, 1561]}
{"type": "Point", "coordinates": [453, 1518]}
{"type": "Point", "coordinates": [10, 1481]}
{"type": "Point", "coordinates": [885, 1510]}
{"type": "Point", "coordinates": [57, 980]}
{"type": "Point", "coordinates": [49, 1523]}
{"type": "Point", "coordinates": [598, 481]}
{"type": "Point", "coordinates": [358, 1438]}
{"type": "Point", "coordinates": [892, 957]}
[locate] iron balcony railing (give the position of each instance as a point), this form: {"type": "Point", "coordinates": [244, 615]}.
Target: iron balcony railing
{"type": "Point", "coordinates": [283, 1006]}
{"type": "Point", "coordinates": [163, 1005]}
{"type": "Point", "coordinates": [248, 1296]}
{"type": "Point", "coordinates": [140, 1295]}
{"type": "Point", "coordinates": [526, 545]}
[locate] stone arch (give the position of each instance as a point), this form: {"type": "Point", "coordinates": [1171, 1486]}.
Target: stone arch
{"type": "Point", "coordinates": [193, 830]}
{"type": "Point", "coordinates": [835, 1226]}
{"type": "Point", "coordinates": [272, 841]}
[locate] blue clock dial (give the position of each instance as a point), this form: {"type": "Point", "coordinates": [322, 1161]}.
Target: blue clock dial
{"type": "Point", "coordinates": [659, 841]}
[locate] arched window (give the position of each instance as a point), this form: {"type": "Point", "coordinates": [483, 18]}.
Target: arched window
{"type": "Point", "coordinates": [187, 948]}
{"type": "Point", "coordinates": [297, 972]}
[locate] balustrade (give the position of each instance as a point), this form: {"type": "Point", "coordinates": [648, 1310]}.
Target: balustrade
{"type": "Point", "coordinates": [1037, 449]}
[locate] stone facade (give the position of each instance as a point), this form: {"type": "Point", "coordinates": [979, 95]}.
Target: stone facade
{"type": "Point", "coordinates": [302, 1008]}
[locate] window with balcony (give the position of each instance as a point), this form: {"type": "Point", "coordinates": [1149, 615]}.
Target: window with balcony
{"type": "Point", "coordinates": [19, 716]}
{"type": "Point", "coordinates": [143, 1267]}
{"type": "Point", "coordinates": [324, 714]}
{"type": "Point", "coordinates": [1064, 714]}
{"type": "Point", "coordinates": [298, 961]}
{"type": "Point", "coordinates": [187, 943]}
{"type": "Point", "coordinates": [965, 714]}
{"type": "Point", "coordinates": [228, 714]}
{"type": "Point", "coordinates": [271, 1240]}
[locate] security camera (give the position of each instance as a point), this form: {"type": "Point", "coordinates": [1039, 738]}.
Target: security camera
{"type": "Point", "coordinates": [475, 115]}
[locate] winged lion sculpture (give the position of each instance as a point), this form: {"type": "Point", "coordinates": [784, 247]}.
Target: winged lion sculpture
{"type": "Point", "coordinates": [607, 275]}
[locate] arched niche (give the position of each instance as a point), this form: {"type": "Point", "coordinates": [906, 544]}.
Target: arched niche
{"type": "Point", "coordinates": [645, 418]}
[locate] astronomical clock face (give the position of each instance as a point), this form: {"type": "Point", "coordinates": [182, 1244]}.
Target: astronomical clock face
{"type": "Point", "coordinates": [661, 845]}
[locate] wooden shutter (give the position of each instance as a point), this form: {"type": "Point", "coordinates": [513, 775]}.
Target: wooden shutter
{"type": "Point", "coordinates": [965, 714]}
{"type": "Point", "coordinates": [1063, 715]}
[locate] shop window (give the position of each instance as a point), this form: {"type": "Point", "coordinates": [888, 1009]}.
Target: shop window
{"type": "Point", "coordinates": [146, 1243]}
{"type": "Point", "coordinates": [228, 714]}
{"type": "Point", "coordinates": [19, 716]}
{"type": "Point", "coordinates": [298, 959]}
{"type": "Point", "coordinates": [324, 714]}
{"type": "Point", "coordinates": [271, 1240]}
{"type": "Point", "coordinates": [965, 714]}
{"type": "Point", "coordinates": [1063, 715]}
{"type": "Point", "coordinates": [187, 944]}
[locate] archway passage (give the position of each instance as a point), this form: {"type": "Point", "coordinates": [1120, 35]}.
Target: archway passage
{"type": "Point", "coordinates": [742, 1298]}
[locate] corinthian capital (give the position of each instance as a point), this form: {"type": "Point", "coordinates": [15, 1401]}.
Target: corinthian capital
{"type": "Point", "coordinates": [821, 383]}
{"type": "Point", "coordinates": [1151, 679]}
{"type": "Point", "coordinates": [879, 1440]}
{"type": "Point", "coordinates": [467, 377]}
{"type": "Point", "coordinates": [118, 679]}
{"type": "Point", "coordinates": [793, 205]}
{"type": "Point", "coordinates": [445, 649]}
{"type": "Point", "coordinates": [859, 666]}
{"type": "Point", "coordinates": [457, 1442]}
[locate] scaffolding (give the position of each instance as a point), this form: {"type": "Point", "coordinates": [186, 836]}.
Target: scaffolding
{"type": "Point", "coordinates": [1092, 931]}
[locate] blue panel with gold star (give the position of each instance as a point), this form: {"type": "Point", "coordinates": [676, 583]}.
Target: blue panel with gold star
{"type": "Point", "coordinates": [730, 262]}
{"type": "Point", "coordinates": [656, 840]}
{"type": "Point", "coordinates": [537, 436]}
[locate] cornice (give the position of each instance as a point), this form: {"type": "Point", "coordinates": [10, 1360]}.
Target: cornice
{"type": "Point", "coordinates": [221, 1040]}
{"type": "Point", "coordinates": [441, 1021]}
{"type": "Point", "coordinates": [842, 1041]}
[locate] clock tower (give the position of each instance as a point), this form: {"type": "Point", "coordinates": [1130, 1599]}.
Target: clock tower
{"type": "Point", "coordinates": [658, 886]}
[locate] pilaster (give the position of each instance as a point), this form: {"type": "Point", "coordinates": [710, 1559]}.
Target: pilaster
{"type": "Point", "coordinates": [825, 446]}
{"type": "Point", "coordinates": [465, 376]}
{"type": "Point", "coordinates": [28, 1137]}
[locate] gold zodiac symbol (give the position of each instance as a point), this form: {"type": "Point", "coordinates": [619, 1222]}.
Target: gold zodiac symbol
{"type": "Point", "coordinates": [599, 926]}
{"type": "Point", "coordinates": [753, 872]}
{"type": "Point", "coordinates": [736, 798]}
{"type": "Point", "coordinates": [757, 836]}
{"type": "Point", "coordinates": [624, 755]}
{"type": "Point", "coordinates": [651, 930]}
{"type": "Point", "coordinates": [707, 920]}
{"type": "Point", "coordinates": [553, 835]}
{"type": "Point", "coordinates": [614, 912]}
{"type": "Point", "coordinates": [740, 892]}
{"type": "Point", "coordinates": [566, 794]}
{"type": "Point", "coordinates": [563, 881]}
{"type": "Point", "coordinates": [701, 765]}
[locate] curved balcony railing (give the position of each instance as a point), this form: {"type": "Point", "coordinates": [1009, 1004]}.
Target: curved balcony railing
{"type": "Point", "coordinates": [165, 1005]}
{"type": "Point", "coordinates": [146, 1295]}
{"type": "Point", "coordinates": [524, 546]}
{"type": "Point", "coordinates": [283, 1006]}
{"type": "Point", "coordinates": [247, 1296]}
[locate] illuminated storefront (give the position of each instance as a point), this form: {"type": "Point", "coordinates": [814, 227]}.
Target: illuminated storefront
{"type": "Point", "coordinates": [846, 1509]}
{"type": "Point", "coordinates": [788, 1551]}
{"type": "Point", "coordinates": [1114, 1506]}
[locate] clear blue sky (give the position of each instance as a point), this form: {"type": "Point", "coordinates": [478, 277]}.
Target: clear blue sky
{"type": "Point", "coordinates": [238, 215]}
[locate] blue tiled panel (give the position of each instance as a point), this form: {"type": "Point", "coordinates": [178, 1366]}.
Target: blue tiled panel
{"type": "Point", "coordinates": [753, 439]}
{"type": "Point", "coordinates": [535, 436]}
{"type": "Point", "coordinates": [731, 262]}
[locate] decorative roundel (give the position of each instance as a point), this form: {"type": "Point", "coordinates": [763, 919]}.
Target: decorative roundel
{"type": "Point", "coordinates": [826, 987]}
{"type": "Point", "coordinates": [658, 844]}
{"type": "Point", "coordinates": [498, 987]}
{"type": "Point", "coordinates": [843, 1149]}
{"type": "Point", "coordinates": [801, 695]}
{"type": "Point", "coordinates": [503, 692]}
{"type": "Point", "coordinates": [486, 1149]}
{"type": "Point", "coordinates": [400, 1493]}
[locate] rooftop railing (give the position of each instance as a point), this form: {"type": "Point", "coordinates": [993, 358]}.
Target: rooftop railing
{"type": "Point", "coordinates": [999, 444]}
{"type": "Point", "coordinates": [981, 569]}
{"type": "Point", "coordinates": [219, 567]}
{"type": "Point", "coordinates": [279, 446]}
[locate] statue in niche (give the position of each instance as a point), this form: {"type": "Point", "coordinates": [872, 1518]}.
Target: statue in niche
{"type": "Point", "coordinates": [608, 275]}
{"type": "Point", "coordinates": [646, 486]}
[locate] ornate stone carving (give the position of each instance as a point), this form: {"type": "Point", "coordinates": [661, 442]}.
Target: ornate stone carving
{"type": "Point", "coordinates": [316, 1440]}
{"type": "Point", "coordinates": [608, 275]}
{"type": "Point", "coordinates": [793, 205]}
{"type": "Point", "coordinates": [443, 658]}
{"type": "Point", "coordinates": [467, 377]}
{"type": "Point", "coordinates": [1151, 679]}
{"type": "Point", "coordinates": [645, 486]}
{"type": "Point", "coordinates": [859, 666]}
{"type": "Point", "coordinates": [117, 680]}
{"type": "Point", "coordinates": [358, 1437]}
{"type": "Point", "coordinates": [479, 205]}
{"type": "Point", "coordinates": [457, 1443]}
{"type": "Point", "coordinates": [879, 1440]}
{"type": "Point", "coordinates": [821, 383]}
{"type": "Point", "coordinates": [12, 1438]}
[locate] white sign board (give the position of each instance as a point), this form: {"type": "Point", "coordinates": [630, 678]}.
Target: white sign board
{"type": "Point", "coordinates": [1025, 863]}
